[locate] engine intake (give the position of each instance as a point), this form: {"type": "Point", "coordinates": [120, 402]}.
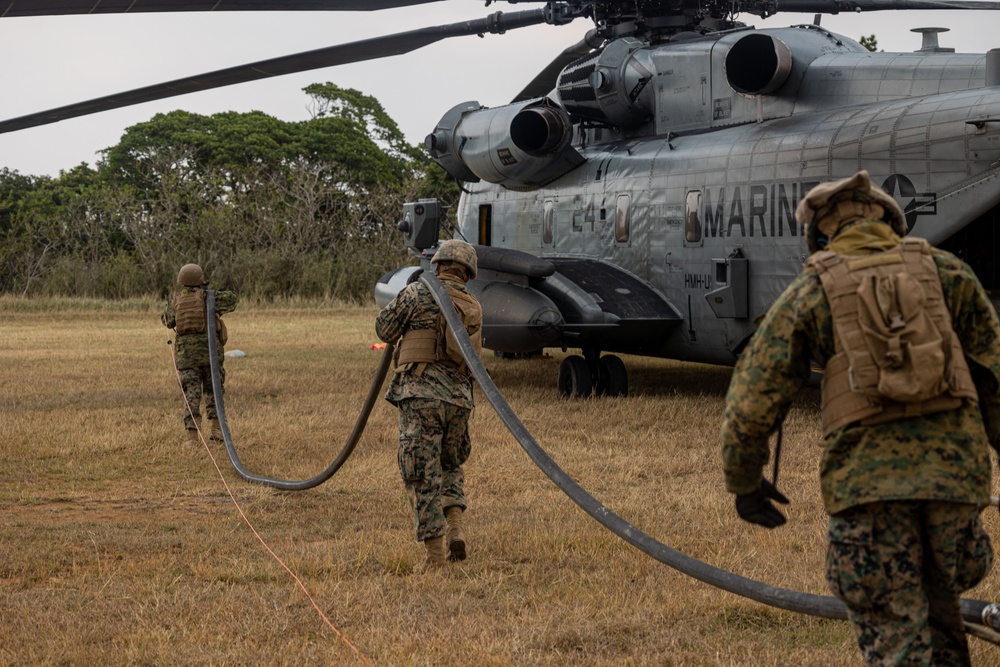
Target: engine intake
{"type": "Point", "coordinates": [518, 146]}
{"type": "Point", "coordinates": [758, 64]}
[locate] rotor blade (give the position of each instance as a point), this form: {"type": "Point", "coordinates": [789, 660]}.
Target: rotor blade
{"type": "Point", "coordinates": [342, 54]}
{"type": "Point", "coordinates": [14, 8]}
{"type": "Point", "coordinates": [837, 6]}
{"type": "Point", "coordinates": [545, 81]}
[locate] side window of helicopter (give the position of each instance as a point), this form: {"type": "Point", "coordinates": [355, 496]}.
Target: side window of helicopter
{"type": "Point", "coordinates": [692, 219]}
{"type": "Point", "coordinates": [486, 224]}
{"type": "Point", "coordinates": [623, 219]}
{"type": "Point", "coordinates": [548, 214]}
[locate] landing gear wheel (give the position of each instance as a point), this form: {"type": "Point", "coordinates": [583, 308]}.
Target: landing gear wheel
{"type": "Point", "coordinates": [613, 378]}
{"type": "Point", "coordinates": [574, 377]}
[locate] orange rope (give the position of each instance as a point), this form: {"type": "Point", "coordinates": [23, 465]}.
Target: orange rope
{"type": "Point", "coordinates": [246, 520]}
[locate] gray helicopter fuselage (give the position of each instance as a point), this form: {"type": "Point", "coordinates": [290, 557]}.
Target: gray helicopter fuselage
{"type": "Point", "coordinates": [686, 166]}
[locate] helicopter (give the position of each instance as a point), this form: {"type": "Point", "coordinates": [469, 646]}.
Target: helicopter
{"type": "Point", "coordinates": [638, 195]}
{"type": "Point", "coordinates": [646, 204]}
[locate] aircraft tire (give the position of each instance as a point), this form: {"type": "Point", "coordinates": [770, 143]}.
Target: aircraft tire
{"type": "Point", "coordinates": [613, 379]}
{"type": "Point", "coordinates": [575, 380]}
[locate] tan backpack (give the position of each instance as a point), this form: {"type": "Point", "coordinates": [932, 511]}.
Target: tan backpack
{"type": "Point", "coordinates": [897, 355]}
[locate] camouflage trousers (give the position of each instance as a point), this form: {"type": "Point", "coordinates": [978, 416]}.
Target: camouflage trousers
{"type": "Point", "coordinates": [197, 382]}
{"type": "Point", "coordinates": [900, 566]}
{"type": "Point", "coordinates": [433, 444]}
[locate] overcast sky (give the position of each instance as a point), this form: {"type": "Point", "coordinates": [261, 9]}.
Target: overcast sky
{"type": "Point", "coordinates": [52, 61]}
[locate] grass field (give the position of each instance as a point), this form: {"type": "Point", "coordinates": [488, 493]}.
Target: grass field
{"type": "Point", "coordinates": [120, 544]}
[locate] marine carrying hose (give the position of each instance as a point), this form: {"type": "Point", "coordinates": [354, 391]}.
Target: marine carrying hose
{"type": "Point", "coordinates": [973, 611]}
{"type": "Point", "coordinates": [220, 406]}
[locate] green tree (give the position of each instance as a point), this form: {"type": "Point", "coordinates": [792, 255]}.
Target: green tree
{"type": "Point", "coordinates": [368, 116]}
{"type": "Point", "coordinates": [869, 42]}
{"type": "Point", "coordinates": [267, 207]}
{"type": "Point", "coordinates": [330, 100]}
{"type": "Point", "coordinates": [14, 189]}
{"type": "Point", "coordinates": [52, 241]}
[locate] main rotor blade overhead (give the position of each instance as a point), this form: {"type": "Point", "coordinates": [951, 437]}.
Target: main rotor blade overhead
{"type": "Point", "coordinates": [14, 8]}
{"type": "Point", "coordinates": [342, 54]}
{"type": "Point", "coordinates": [837, 6]}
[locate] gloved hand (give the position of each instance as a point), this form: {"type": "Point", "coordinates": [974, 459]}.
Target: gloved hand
{"type": "Point", "coordinates": [756, 506]}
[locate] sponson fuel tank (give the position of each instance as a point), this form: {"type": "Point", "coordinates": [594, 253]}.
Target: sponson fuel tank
{"type": "Point", "coordinates": [530, 303]}
{"type": "Point", "coordinates": [517, 318]}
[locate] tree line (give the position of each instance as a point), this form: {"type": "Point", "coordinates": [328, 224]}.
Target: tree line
{"type": "Point", "coordinates": [268, 208]}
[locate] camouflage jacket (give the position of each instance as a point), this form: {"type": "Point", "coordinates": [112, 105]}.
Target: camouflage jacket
{"type": "Point", "coordinates": [191, 350]}
{"type": "Point", "coordinates": [414, 308]}
{"type": "Point", "coordinates": [942, 456]}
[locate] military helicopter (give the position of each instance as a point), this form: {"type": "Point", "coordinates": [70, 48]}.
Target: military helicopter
{"type": "Point", "coordinates": [638, 195]}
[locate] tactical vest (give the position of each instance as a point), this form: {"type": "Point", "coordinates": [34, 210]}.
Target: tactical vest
{"type": "Point", "coordinates": [896, 354]}
{"type": "Point", "coordinates": [189, 315]}
{"type": "Point", "coordinates": [189, 312]}
{"type": "Point", "coordinates": [419, 347]}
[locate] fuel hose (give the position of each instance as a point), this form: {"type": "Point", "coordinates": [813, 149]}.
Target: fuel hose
{"type": "Point", "coordinates": [975, 612]}
{"type": "Point", "coordinates": [220, 406]}
{"type": "Point", "coordinates": [982, 618]}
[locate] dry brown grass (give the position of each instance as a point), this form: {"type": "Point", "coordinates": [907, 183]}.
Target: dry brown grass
{"type": "Point", "coordinates": [120, 545]}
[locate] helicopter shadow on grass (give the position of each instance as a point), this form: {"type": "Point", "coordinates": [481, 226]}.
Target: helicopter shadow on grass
{"type": "Point", "coordinates": [648, 377]}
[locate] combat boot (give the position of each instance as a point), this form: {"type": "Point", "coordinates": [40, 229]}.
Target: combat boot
{"type": "Point", "coordinates": [435, 556]}
{"type": "Point", "coordinates": [191, 436]}
{"type": "Point", "coordinates": [216, 433]}
{"type": "Point", "coordinates": [456, 540]}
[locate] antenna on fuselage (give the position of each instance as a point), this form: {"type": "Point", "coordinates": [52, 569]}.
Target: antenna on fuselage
{"type": "Point", "coordinates": [930, 40]}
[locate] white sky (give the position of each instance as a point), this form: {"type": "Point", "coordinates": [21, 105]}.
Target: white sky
{"type": "Point", "coordinates": [47, 62]}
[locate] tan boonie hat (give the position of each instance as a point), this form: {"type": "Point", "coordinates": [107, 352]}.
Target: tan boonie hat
{"type": "Point", "coordinates": [828, 206]}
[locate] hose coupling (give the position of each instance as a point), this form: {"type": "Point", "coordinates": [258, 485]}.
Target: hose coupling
{"type": "Point", "coordinates": [991, 616]}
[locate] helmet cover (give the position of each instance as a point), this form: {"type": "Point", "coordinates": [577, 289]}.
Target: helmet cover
{"type": "Point", "coordinates": [460, 252]}
{"type": "Point", "coordinates": [191, 275]}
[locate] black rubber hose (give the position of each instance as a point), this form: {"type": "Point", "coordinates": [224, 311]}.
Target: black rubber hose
{"type": "Point", "coordinates": [234, 458]}
{"type": "Point", "coordinates": [782, 598]}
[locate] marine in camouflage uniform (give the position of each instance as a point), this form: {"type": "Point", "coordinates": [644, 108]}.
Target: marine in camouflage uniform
{"type": "Point", "coordinates": [434, 398]}
{"type": "Point", "coordinates": [904, 496]}
{"type": "Point", "coordinates": [191, 346]}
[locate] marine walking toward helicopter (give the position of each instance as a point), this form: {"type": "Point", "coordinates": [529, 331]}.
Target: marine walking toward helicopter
{"type": "Point", "coordinates": [432, 388]}
{"type": "Point", "coordinates": [186, 315]}
{"type": "Point", "coordinates": [910, 346]}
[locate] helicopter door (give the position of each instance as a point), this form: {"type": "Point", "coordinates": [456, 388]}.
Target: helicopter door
{"type": "Point", "coordinates": [548, 215]}
{"type": "Point", "coordinates": [692, 220]}
{"type": "Point", "coordinates": [623, 220]}
{"type": "Point", "coordinates": [486, 224]}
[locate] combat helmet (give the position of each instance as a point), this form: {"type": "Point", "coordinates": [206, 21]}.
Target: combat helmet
{"type": "Point", "coordinates": [460, 252]}
{"type": "Point", "coordinates": [191, 275]}
{"type": "Point", "coordinates": [829, 206]}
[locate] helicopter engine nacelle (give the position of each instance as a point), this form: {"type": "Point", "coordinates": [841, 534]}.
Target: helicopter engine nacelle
{"type": "Point", "coordinates": [611, 85]}
{"type": "Point", "coordinates": [519, 146]}
{"type": "Point", "coordinates": [758, 64]}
